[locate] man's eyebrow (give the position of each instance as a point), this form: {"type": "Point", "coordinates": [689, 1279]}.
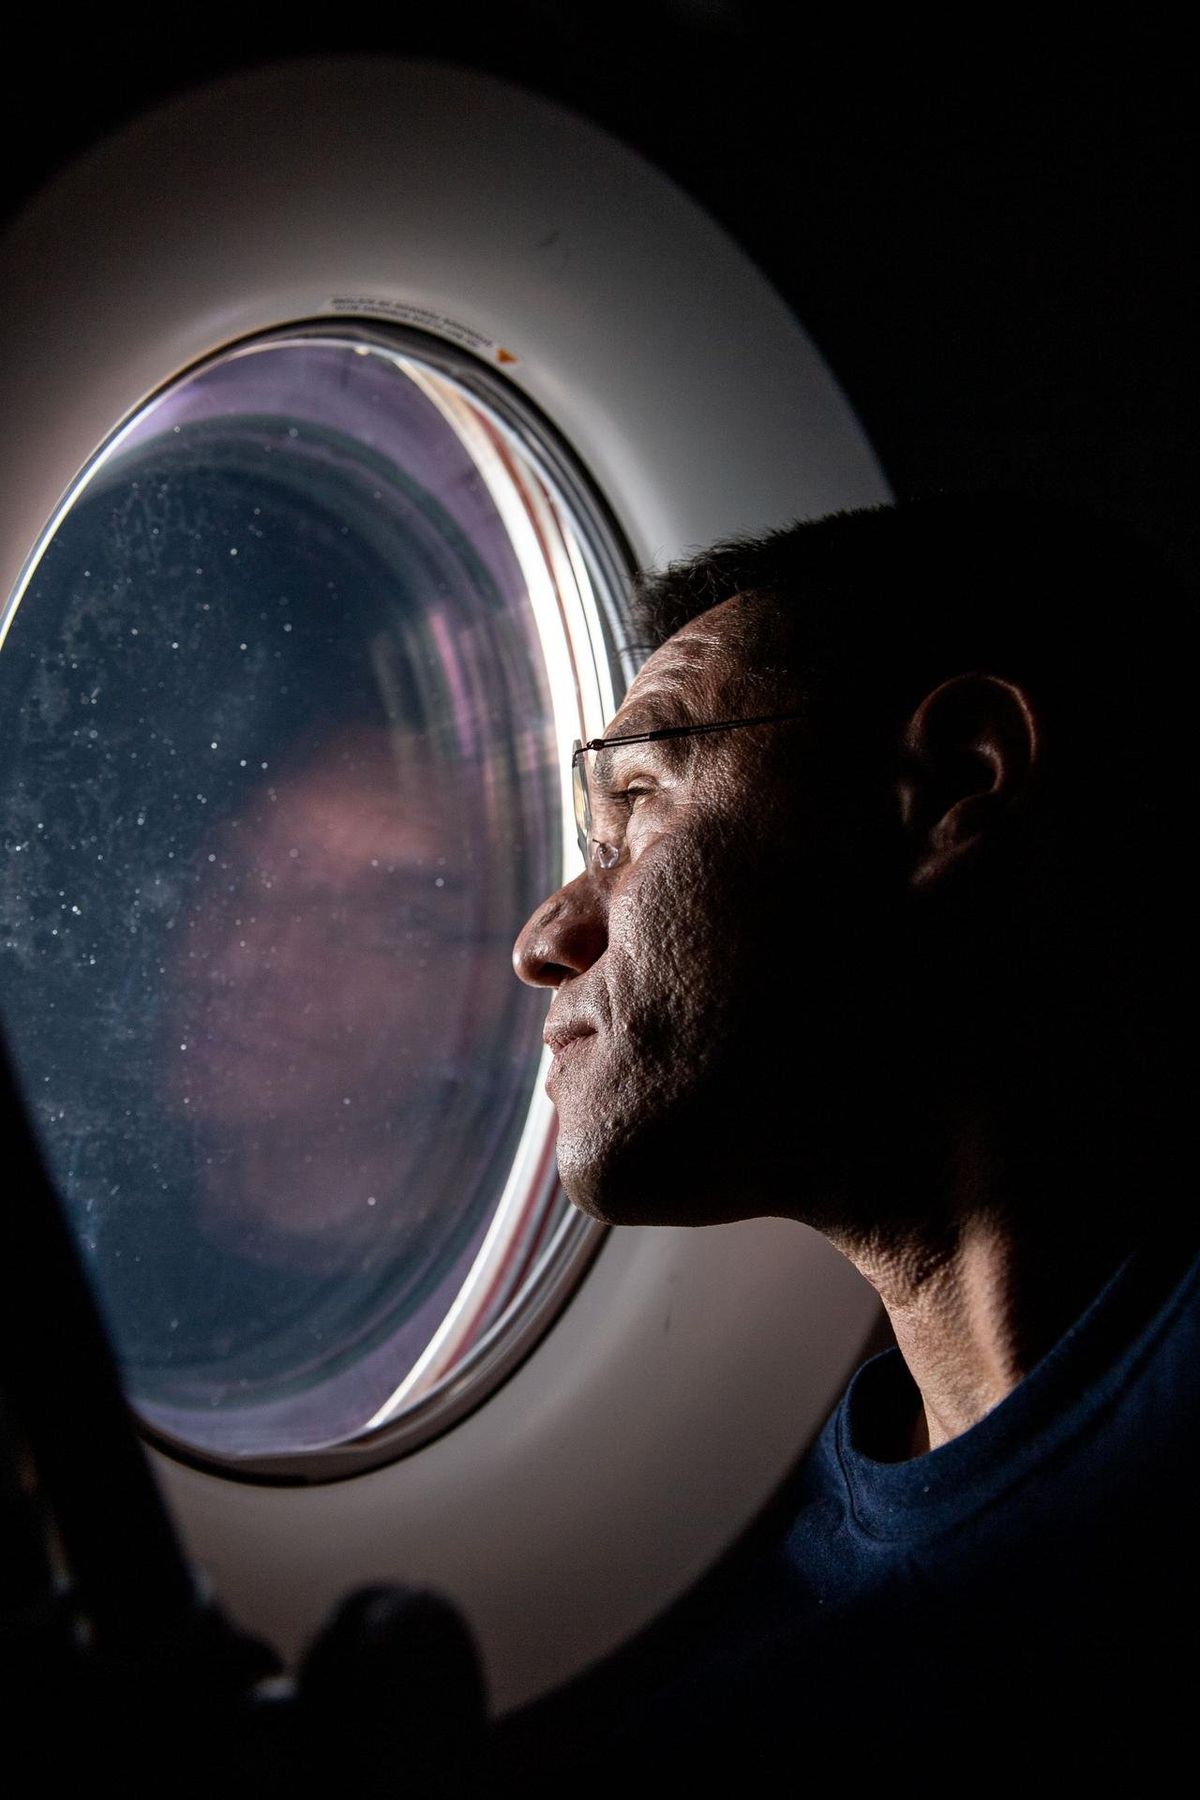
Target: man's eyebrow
{"type": "Point", "coordinates": [634, 725]}
{"type": "Point", "coordinates": [654, 714]}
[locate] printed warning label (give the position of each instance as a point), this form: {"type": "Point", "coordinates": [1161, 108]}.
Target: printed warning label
{"type": "Point", "coordinates": [423, 318]}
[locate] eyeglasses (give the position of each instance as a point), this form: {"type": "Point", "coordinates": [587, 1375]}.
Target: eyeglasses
{"type": "Point", "coordinates": [606, 855]}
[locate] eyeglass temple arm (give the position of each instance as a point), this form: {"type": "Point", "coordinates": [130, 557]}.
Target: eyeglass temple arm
{"type": "Point", "coordinates": [671, 731]}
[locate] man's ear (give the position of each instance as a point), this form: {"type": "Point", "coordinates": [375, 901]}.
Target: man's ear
{"type": "Point", "coordinates": [971, 749]}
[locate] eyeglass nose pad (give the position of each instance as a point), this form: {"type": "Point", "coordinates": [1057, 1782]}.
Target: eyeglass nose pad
{"type": "Point", "coordinates": [606, 856]}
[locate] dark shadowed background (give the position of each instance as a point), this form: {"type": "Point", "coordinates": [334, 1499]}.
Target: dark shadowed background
{"type": "Point", "coordinates": [985, 228]}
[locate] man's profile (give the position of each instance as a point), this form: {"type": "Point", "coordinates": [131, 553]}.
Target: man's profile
{"type": "Point", "coordinates": [875, 930]}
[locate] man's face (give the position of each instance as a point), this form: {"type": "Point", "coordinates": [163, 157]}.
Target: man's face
{"type": "Point", "coordinates": [703, 984]}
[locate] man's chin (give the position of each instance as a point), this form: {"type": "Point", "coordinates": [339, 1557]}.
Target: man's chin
{"type": "Point", "coordinates": [581, 1174]}
{"type": "Point", "coordinates": [620, 1187]}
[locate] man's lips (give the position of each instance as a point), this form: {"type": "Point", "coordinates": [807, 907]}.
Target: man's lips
{"type": "Point", "coordinates": [563, 1040]}
{"type": "Point", "coordinates": [557, 1036]}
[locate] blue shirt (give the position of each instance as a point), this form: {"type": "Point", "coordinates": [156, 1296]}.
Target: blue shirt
{"type": "Point", "coordinates": [1023, 1596]}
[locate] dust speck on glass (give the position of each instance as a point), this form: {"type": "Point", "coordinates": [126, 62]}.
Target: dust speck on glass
{"type": "Point", "coordinates": [284, 703]}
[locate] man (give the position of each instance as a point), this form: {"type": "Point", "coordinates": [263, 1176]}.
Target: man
{"type": "Point", "coordinates": [874, 932]}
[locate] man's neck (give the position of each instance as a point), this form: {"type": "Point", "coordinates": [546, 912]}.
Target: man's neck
{"type": "Point", "coordinates": [977, 1302]}
{"type": "Point", "coordinates": [953, 1311]}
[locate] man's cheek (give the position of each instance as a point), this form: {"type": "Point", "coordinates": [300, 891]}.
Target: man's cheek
{"type": "Point", "coordinates": [658, 990]}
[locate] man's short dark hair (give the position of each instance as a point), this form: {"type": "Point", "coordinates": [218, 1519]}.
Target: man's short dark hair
{"type": "Point", "coordinates": [932, 586]}
{"type": "Point", "coordinates": [889, 601]}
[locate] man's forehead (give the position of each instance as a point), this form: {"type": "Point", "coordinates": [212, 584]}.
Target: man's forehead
{"type": "Point", "coordinates": [685, 678]}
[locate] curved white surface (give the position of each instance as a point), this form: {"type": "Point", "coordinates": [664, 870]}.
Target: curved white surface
{"type": "Point", "coordinates": [682, 1381]}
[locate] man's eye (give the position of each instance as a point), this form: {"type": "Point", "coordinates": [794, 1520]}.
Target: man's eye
{"type": "Point", "coordinates": [626, 798]}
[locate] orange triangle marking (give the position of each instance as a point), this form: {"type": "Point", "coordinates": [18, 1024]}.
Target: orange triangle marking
{"type": "Point", "coordinates": [505, 356]}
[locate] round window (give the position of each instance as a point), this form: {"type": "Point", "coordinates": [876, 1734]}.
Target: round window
{"type": "Point", "coordinates": [289, 689]}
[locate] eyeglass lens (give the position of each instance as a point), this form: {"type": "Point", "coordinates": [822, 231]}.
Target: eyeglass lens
{"type": "Point", "coordinates": [579, 789]}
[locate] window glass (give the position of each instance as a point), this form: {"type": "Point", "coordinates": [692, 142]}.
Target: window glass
{"type": "Point", "coordinates": [284, 703]}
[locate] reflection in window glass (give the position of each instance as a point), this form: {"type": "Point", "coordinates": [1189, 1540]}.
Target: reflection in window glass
{"type": "Point", "coordinates": [285, 706]}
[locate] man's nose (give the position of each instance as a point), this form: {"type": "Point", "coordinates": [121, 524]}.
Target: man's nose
{"type": "Point", "coordinates": [564, 937]}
